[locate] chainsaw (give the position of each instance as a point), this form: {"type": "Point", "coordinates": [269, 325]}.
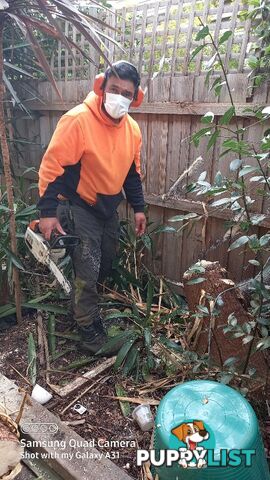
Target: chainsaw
{"type": "Point", "coordinates": [50, 252]}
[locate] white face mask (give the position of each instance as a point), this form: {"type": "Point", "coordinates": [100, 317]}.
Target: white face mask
{"type": "Point", "coordinates": [116, 105]}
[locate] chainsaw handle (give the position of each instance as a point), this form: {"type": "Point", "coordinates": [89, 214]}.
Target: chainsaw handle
{"type": "Point", "coordinates": [34, 225]}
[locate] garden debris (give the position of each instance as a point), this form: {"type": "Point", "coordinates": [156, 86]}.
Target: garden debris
{"type": "Point", "coordinates": [10, 448]}
{"type": "Point", "coordinates": [143, 416]}
{"type": "Point", "coordinates": [99, 381]}
{"type": "Point", "coordinates": [32, 360]}
{"type": "Point", "coordinates": [79, 408]}
{"type": "Point", "coordinates": [82, 379]}
{"type": "Point", "coordinates": [81, 362]}
{"type": "Point", "coordinates": [43, 353]}
{"type": "Point", "coordinates": [143, 401]}
{"type": "Point", "coordinates": [155, 385]}
{"type": "Point", "coordinates": [125, 406]}
{"type": "Point", "coordinates": [22, 377]}
{"type": "Point", "coordinates": [74, 423]}
{"type": "Point", "coordinates": [51, 335]}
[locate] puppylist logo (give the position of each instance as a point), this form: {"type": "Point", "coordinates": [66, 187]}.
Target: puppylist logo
{"type": "Point", "coordinates": [196, 450]}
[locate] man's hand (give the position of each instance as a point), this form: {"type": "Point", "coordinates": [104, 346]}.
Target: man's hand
{"type": "Point", "coordinates": [140, 223]}
{"type": "Point", "coordinates": [47, 225]}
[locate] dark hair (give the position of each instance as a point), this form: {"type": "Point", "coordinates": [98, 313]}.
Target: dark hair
{"type": "Point", "coordinates": [125, 71]}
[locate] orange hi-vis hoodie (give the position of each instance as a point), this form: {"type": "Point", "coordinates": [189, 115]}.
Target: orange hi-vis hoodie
{"type": "Point", "coordinates": [89, 160]}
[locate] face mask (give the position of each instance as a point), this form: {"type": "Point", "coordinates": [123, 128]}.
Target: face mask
{"type": "Point", "coordinates": [116, 105]}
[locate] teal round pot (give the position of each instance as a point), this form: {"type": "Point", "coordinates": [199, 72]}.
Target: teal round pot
{"type": "Point", "coordinates": [217, 422]}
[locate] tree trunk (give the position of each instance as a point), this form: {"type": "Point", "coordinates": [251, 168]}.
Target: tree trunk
{"type": "Point", "coordinates": [208, 332]}
{"type": "Point", "coordinates": [9, 183]}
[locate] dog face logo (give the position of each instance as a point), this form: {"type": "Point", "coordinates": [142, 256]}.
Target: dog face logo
{"type": "Point", "coordinates": [191, 433]}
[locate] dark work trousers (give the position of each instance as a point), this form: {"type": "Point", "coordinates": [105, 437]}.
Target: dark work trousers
{"type": "Point", "coordinates": [92, 259]}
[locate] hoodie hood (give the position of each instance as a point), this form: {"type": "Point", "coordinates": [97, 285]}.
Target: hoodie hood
{"type": "Point", "coordinates": [94, 102]}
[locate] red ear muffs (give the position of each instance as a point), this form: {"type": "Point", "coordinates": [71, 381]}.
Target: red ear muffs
{"type": "Point", "coordinates": [98, 84]}
{"type": "Point", "coordinates": [139, 99]}
{"type": "Point", "coordinates": [98, 90]}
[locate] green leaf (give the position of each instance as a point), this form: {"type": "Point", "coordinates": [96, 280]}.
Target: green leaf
{"type": "Point", "coordinates": [257, 178]}
{"type": "Point", "coordinates": [263, 321]}
{"type": "Point", "coordinates": [228, 115]}
{"type": "Point", "coordinates": [211, 62]}
{"type": "Point", "coordinates": [247, 169]}
{"type": "Point", "coordinates": [131, 360]}
{"type": "Point", "coordinates": [26, 212]}
{"type": "Point", "coordinates": [147, 241]}
{"type": "Point", "coordinates": [13, 258]}
{"type": "Point", "coordinates": [266, 111]}
{"type": "Point", "coordinates": [225, 378]}
{"type": "Point", "coordinates": [7, 310]}
{"type": "Point", "coordinates": [4, 208]}
{"type": "Point", "coordinates": [203, 309]}
{"type": "Point", "coordinates": [69, 336]}
{"type": "Point", "coordinates": [263, 344]}
{"type": "Point", "coordinates": [218, 88]}
{"type": "Point", "coordinates": [253, 62]}
{"type": "Point", "coordinates": [230, 361]}
{"type": "Point", "coordinates": [215, 83]}
{"type": "Point", "coordinates": [165, 229]}
{"type": "Point", "coordinates": [120, 315]}
{"type": "Point", "coordinates": [150, 295]}
{"type": "Point", "coordinates": [147, 338]}
{"type": "Point", "coordinates": [226, 35]}
{"type": "Point", "coordinates": [202, 34]}
{"type": "Point", "coordinates": [264, 240]}
{"type": "Point", "coordinates": [213, 139]}
{"type": "Point", "coordinates": [254, 262]}
{"type": "Point", "coordinates": [32, 359]}
{"type": "Point", "coordinates": [247, 339]}
{"type": "Point", "coordinates": [180, 218]}
{"type": "Point", "coordinates": [208, 117]}
{"type": "Point", "coordinates": [170, 344]}
{"type": "Point", "coordinates": [124, 351]}
{"type": "Point", "coordinates": [239, 242]}
{"type": "Point", "coordinates": [257, 219]}
{"type": "Point", "coordinates": [51, 335]}
{"type": "Point", "coordinates": [235, 164]}
{"type": "Point", "coordinates": [115, 343]}
{"type": "Point", "coordinates": [46, 307]}
{"type": "Point", "coordinates": [196, 137]}
{"type": "Point", "coordinates": [196, 51]}
{"type": "Point", "coordinates": [193, 281]}
{"type": "Point", "coordinates": [221, 201]}
{"type": "Point", "coordinates": [81, 362]}
{"type": "Point", "coordinates": [125, 406]}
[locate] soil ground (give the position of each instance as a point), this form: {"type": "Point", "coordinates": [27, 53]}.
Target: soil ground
{"type": "Point", "coordinates": [103, 419]}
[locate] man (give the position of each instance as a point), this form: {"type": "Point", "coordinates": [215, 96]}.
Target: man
{"type": "Point", "coordinates": [93, 154]}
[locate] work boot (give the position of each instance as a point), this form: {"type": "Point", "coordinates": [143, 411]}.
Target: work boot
{"type": "Point", "coordinates": [93, 336]}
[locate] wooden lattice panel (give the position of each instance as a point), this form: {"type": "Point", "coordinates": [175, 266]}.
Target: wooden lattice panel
{"type": "Point", "coordinates": [155, 29]}
{"type": "Point", "coordinates": [161, 35]}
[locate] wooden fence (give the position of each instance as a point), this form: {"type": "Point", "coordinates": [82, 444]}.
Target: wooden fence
{"type": "Point", "coordinates": [171, 113]}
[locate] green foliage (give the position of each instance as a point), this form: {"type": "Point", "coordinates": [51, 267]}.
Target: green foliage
{"type": "Point", "coordinates": [259, 59]}
{"type": "Point", "coordinates": [248, 168]}
{"type": "Point", "coordinates": [150, 308]}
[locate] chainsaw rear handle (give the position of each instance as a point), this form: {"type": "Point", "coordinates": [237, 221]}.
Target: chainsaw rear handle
{"type": "Point", "coordinates": [57, 240]}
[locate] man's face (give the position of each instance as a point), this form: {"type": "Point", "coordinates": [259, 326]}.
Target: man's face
{"type": "Point", "coordinates": [118, 86]}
